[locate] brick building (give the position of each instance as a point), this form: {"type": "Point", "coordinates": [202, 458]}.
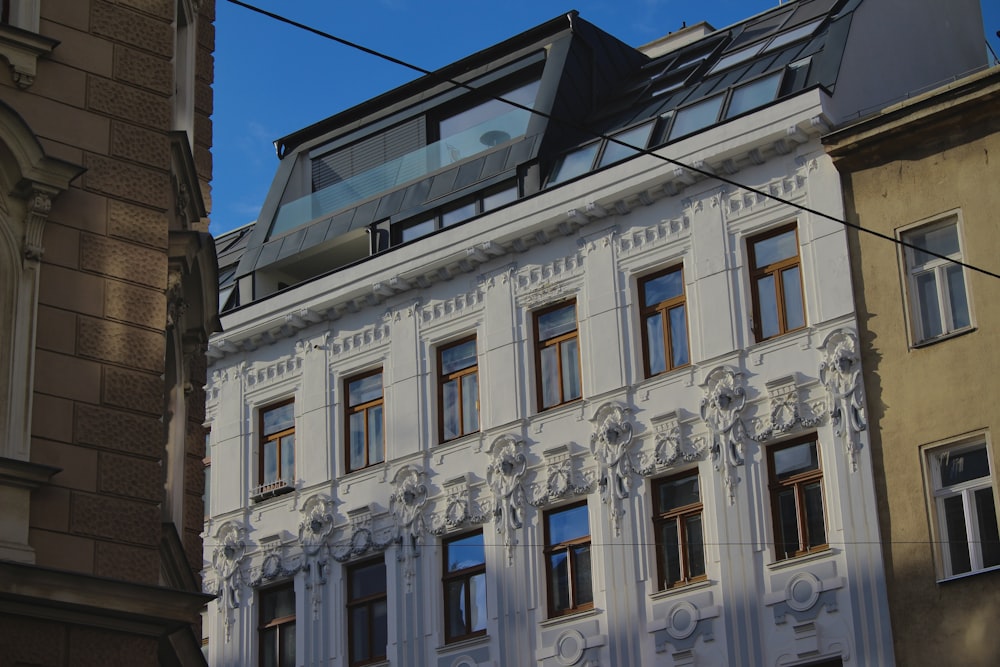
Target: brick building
{"type": "Point", "coordinates": [108, 291]}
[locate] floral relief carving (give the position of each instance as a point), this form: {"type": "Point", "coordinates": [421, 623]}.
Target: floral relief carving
{"type": "Point", "coordinates": [721, 410]}
{"type": "Point", "coordinates": [561, 480]}
{"type": "Point", "coordinates": [459, 509]}
{"type": "Point", "coordinates": [505, 476]}
{"type": "Point", "coordinates": [227, 559]}
{"type": "Point", "coordinates": [362, 537]}
{"type": "Point", "coordinates": [612, 444]}
{"type": "Point", "coordinates": [672, 447]}
{"type": "Point", "coordinates": [840, 373]}
{"type": "Point", "coordinates": [315, 528]}
{"type": "Point", "coordinates": [406, 504]}
{"type": "Point", "coordinates": [786, 411]}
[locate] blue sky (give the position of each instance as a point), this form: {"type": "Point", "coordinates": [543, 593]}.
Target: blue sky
{"type": "Point", "coordinates": [272, 79]}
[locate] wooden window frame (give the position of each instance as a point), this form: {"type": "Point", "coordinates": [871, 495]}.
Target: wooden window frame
{"type": "Point", "coordinates": [662, 308]}
{"type": "Point", "coordinates": [676, 514]}
{"type": "Point", "coordinates": [281, 482]}
{"type": "Point", "coordinates": [556, 341]}
{"type": "Point", "coordinates": [362, 407]}
{"type": "Point", "coordinates": [459, 376]}
{"type": "Point", "coordinates": [776, 269]}
{"type": "Point", "coordinates": [798, 483]}
{"type": "Point", "coordinates": [368, 603]}
{"type": "Point", "coordinates": [571, 567]}
{"type": "Point", "coordinates": [466, 575]}
{"type": "Point", "coordinates": [274, 624]}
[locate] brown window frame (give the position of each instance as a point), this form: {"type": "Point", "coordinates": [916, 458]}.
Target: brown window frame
{"type": "Point", "coordinates": [275, 625]}
{"type": "Point", "coordinates": [797, 482]}
{"type": "Point", "coordinates": [465, 575]}
{"type": "Point", "coordinates": [368, 603]}
{"type": "Point", "coordinates": [663, 309]}
{"type": "Point", "coordinates": [362, 407]}
{"type": "Point", "coordinates": [677, 514]}
{"type": "Point", "coordinates": [571, 560]}
{"type": "Point", "coordinates": [278, 485]}
{"type": "Point", "coordinates": [776, 269]}
{"type": "Point", "coordinates": [459, 376]}
{"type": "Point", "coordinates": [557, 341]}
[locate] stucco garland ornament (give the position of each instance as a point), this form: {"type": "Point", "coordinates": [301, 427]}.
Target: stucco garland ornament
{"type": "Point", "coordinates": [227, 559]}
{"type": "Point", "coordinates": [315, 529]}
{"type": "Point", "coordinates": [721, 409]}
{"type": "Point", "coordinates": [407, 507]}
{"type": "Point", "coordinates": [840, 373]}
{"type": "Point", "coordinates": [505, 476]}
{"type": "Point", "coordinates": [611, 443]}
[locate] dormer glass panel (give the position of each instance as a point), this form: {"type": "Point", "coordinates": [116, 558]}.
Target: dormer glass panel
{"type": "Point", "coordinates": [575, 163]}
{"type": "Point", "coordinates": [485, 125]}
{"type": "Point", "coordinates": [637, 136]}
{"type": "Point", "coordinates": [794, 34]}
{"type": "Point", "coordinates": [755, 94]}
{"type": "Point", "coordinates": [697, 116]}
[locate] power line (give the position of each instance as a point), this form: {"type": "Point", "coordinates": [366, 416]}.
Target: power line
{"type": "Point", "coordinates": [598, 135]}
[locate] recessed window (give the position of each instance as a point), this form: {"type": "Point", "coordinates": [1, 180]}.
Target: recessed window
{"type": "Point", "coordinates": [796, 483]}
{"type": "Point", "coordinates": [276, 632]}
{"type": "Point", "coordinates": [567, 560]}
{"type": "Point", "coordinates": [557, 356]}
{"type": "Point", "coordinates": [575, 163]}
{"type": "Point", "coordinates": [697, 116]}
{"type": "Point", "coordinates": [464, 583]}
{"type": "Point", "coordinates": [367, 613]}
{"type": "Point", "coordinates": [965, 508]}
{"type": "Point", "coordinates": [776, 283]}
{"type": "Point", "coordinates": [664, 317]}
{"type": "Point", "coordinates": [458, 386]}
{"type": "Point", "coordinates": [637, 136]}
{"type": "Point", "coordinates": [276, 464]}
{"type": "Point", "coordinates": [680, 539]}
{"type": "Point", "coordinates": [939, 302]}
{"type": "Point", "coordinates": [365, 421]}
{"type": "Point", "coordinates": [755, 94]}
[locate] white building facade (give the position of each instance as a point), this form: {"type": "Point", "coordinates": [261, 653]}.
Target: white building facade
{"type": "Point", "coordinates": [612, 417]}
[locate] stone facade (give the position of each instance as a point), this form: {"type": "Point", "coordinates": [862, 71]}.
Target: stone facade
{"type": "Point", "coordinates": [109, 291]}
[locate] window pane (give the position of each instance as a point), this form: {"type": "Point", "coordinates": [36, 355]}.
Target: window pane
{"type": "Point", "coordinates": [270, 461]}
{"type": "Point", "coordinates": [654, 338]}
{"type": "Point", "coordinates": [570, 369]}
{"type": "Point", "coordinates": [368, 580]}
{"type": "Point", "coordinates": [375, 442]}
{"type": "Point", "coordinates": [470, 403]}
{"type": "Point", "coordinates": [957, 537]}
{"type": "Point", "coordinates": [380, 628]}
{"type": "Point", "coordinates": [287, 640]}
{"type": "Point", "coordinates": [930, 313]}
{"type": "Point", "coordinates": [695, 546]}
{"type": "Point", "coordinates": [463, 212]}
{"type": "Point", "coordinates": [457, 357]}
{"type": "Point", "coordinates": [696, 117]}
{"type": "Point", "coordinates": [465, 552]}
{"type": "Point", "coordinates": [357, 425]}
{"type": "Point", "coordinates": [670, 544]}
{"type": "Point", "coordinates": [678, 492]}
{"type": "Point", "coordinates": [499, 198]}
{"type": "Point", "coordinates": [455, 601]}
{"type": "Point", "coordinates": [558, 566]}
{"type": "Point", "coordinates": [989, 536]}
{"type": "Point", "coordinates": [637, 136]}
{"type": "Point", "coordinates": [788, 525]}
{"type": "Point", "coordinates": [477, 602]}
{"type": "Point", "coordinates": [796, 459]}
{"type": "Point", "coordinates": [774, 249]}
{"type": "Point", "coordinates": [768, 306]}
{"type": "Point", "coordinates": [568, 524]}
{"type": "Point", "coordinates": [556, 322]}
{"type": "Point", "coordinates": [753, 95]}
{"type": "Point", "coordinates": [791, 35]}
{"type": "Point", "coordinates": [279, 419]}
{"type": "Point", "coordinates": [550, 376]}
{"type": "Point", "coordinates": [288, 457]}
{"type": "Point", "coordinates": [364, 389]}
{"type": "Point", "coordinates": [958, 298]}
{"type": "Point", "coordinates": [942, 240]}
{"type": "Point", "coordinates": [815, 525]}
{"type": "Point", "coordinates": [449, 409]}
{"type": "Point", "coordinates": [359, 634]}
{"type": "Point", "coordinates": [582, 586]}
{"type": "Point", "coordinates": [269, 648]}
{"type": "Point", "coordinates": [678, 336]}
{"type": "Point", "coordinates": [964, 466]}
{"type": "Point", "coordinates": [416, 231]}
{"type": "Point", "coordinates": [574, 164]}
{"type": "Point", "coordinates": [662, 288]}
{"type": "Point", "coordinates": [792, 288]}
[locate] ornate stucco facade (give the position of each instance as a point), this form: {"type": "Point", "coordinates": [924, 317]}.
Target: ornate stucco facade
{"type": "Point", "coordinates": [929, 164]}
{"type": "Point", "coordinates": [108, 290]}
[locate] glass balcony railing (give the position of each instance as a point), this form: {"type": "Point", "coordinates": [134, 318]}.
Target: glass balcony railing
{"type": "Point", "coordinates": [409, 167]}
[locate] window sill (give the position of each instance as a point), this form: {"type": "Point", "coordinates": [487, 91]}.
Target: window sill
{"type": "Point", "coordinates": [463, 644]}
{"type": "Point", "coordinates": [795, 561]}
{"type": "Point", "coordinates": [22, 49]}
{"type": "Point", "coordinates": [571, 616]}
{"type": "Point", "coordinates": [680, 590]}
{"type": "Point", "coordinates": [268, 491]}
{"type": "Point", "coordinates": [927, 342]}
{"type": "Point", "coordinates": [966, 575]}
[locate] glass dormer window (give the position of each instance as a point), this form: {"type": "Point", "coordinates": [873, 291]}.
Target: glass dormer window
{"type": "Point", "coordinates": [755, 94]}
{"type": "Point", "coordinates": [575, 163]}
{"type": "Point", "coordinates": [615, 152]}
{"type": "Point", "coordinates": [795, 33]}
{"type": "Point", "coordinates": [487, 124]}
{"type": "Point", "coordinates": [697, 116]}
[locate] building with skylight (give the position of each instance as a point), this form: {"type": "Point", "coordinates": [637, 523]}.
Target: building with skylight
{"type": "Point", "coordinates": [549, 357]}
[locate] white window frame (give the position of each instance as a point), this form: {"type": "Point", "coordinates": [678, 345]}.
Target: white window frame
{"type": "Point", "coordinates": [911, 270]}
{"type": "Point", "coordinates": [933, 457]}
